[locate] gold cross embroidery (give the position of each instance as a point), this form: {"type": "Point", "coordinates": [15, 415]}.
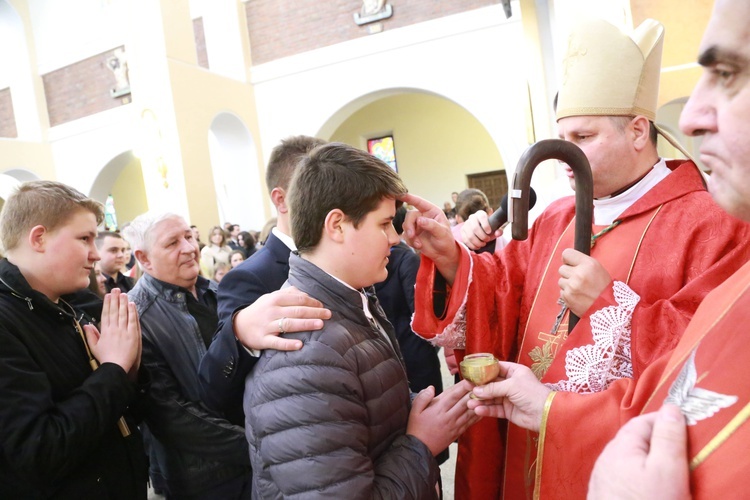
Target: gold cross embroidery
{"type": "Point", "coordinates": [575, 52]}
{"type": "Point", "coordinates": [543, 356]}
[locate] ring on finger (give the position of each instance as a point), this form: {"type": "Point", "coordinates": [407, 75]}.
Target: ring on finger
{"type": "Point", "coordinates": [281, 325]}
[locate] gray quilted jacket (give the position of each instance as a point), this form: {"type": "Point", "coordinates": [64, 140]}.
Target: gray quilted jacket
{"type": "Point", "coordinates": [329, 420]}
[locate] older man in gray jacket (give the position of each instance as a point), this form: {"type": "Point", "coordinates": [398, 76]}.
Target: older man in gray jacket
{"type": "Point", "coordinates": [194, 453]}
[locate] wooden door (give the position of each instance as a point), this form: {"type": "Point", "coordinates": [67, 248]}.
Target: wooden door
{"type": "Point", "coordinates": [494, 184]}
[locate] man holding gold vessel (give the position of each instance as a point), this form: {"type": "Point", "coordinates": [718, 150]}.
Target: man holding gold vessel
{"type": "Point", "coordinates": [634, 295]}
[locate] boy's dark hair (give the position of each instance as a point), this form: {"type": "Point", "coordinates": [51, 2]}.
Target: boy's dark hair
{"type": "Point", "coordinates": [470, 201]}
{"type": "Point", "coordinates": [339, 176]}
{"type": "Point", "coordinates": [284, 158]}
{"type": "Point", "coordinates": [45, 203]}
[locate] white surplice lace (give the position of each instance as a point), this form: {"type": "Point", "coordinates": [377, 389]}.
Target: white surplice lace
{"type": "Point", "coordinates": [591, 368]}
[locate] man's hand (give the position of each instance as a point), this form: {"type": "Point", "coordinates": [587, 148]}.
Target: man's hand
{"type": "Point", "coordinates": [120, 339]}
{"type": "Point", "coordinates": [582, 280]}
{"type": "Point", "coordinates": [438, 421]}
{"type": "Point", "coordinates": [427, 230]}
{"type": "Point", "coordinates": [288, 310]}
{"type": "Point", "coordinates": [477, 232]}
{"type": "Point", "coordinates": [647, 459]}
{"type": "Point", "coordinates": [519, 397]}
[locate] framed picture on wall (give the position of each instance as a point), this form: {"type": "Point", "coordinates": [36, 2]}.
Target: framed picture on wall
{"type": "Point", "coordinates": [384, 149]}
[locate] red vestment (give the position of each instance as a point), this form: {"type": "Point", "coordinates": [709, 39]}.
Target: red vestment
{"type": "Point", "coordinates": [710, 357]}
{"type": "Point", "coordinates": [501, 304]}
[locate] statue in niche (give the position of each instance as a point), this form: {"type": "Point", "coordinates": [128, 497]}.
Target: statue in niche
{"type": "Point", "coordinates": [373, 10]}
{"type": "Point", "coordinates": [118, 63]}
{"type": "Point", "coordinates": [371, 7]}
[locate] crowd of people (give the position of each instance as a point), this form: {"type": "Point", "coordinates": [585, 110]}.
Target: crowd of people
{"type": "Point", "coordinates": [309, 368]}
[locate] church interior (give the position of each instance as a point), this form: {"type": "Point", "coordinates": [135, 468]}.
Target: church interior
{"type": "Point", "coordinates": [176, 104]}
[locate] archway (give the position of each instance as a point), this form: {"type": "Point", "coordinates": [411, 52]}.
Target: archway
{"type": "Point", "coordinates": [668, 116]}
{"type": "Point", "coordinates": [236, 173]}
{"type": "Point", "coordinates": [122, 177]}
{"type": "Point", "coordinates": [438, 143]}
{"type": "Point", "coordinates": [11, 179]}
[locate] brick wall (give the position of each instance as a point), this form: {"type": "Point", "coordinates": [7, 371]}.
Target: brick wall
{"type": "Point", "coordinates": [7, 118]}
{"type": "Point", "coordinates": [200, 42]}
{"type": "Point", "coordinates": [280, 28]}
{"type": "Point", "coordinates": [81, 89]}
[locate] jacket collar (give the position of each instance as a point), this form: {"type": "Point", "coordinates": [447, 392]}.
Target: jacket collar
{"type": "Point", "coordinates": [334, 294]}
{"type": "Point", "coordinates": [277, 248]}
{"type": "Point", "coordinates": [14, 283]}
{"type": "Point", "coordinates": [174, 293]}
{"type": "Point", "coordinates": [340, 298]}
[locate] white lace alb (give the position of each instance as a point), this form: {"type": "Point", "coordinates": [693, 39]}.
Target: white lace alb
{"type": "Point", "coordinates": [591, 368]}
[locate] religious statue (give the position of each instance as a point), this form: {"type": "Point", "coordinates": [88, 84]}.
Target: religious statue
{"type": "Point", "coordinates": [373, 10]}
{"type": "Point", "coordinates": [118, 63]}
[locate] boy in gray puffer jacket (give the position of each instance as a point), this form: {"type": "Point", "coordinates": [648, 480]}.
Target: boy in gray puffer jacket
{"type": "Point", "coordinates": [334, 419]}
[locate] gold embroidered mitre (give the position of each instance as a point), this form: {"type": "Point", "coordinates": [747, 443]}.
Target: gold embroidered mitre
{"type": "Point", "coordinates": [608, 72]}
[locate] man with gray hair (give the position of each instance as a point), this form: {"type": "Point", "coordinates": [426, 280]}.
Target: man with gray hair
{"type": "Point", "coordinates": [194, 453]}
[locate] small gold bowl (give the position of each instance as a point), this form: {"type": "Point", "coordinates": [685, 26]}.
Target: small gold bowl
{"type": "Point", "coordinates": [480, 368]}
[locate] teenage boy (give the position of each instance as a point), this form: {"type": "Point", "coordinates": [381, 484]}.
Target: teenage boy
{"type": "Point", "coordinates": [65, 428]}
{"type": "Point", "coordinates": [334, 419]}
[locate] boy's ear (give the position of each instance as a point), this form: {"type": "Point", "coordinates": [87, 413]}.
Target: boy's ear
{"type": "Point", "coordinates": [142, 257]}
{"type": "Point", "coordinates": [333, 228]}
{"type": "Point", "coordinates": [278, 198]}
{"type": "Point", "coordinates": [38, 238]}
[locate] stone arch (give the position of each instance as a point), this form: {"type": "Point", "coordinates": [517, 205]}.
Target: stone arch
{"type": "Point", "coordinates": [234, 162]}
{"type": "Point", "coordinates": [348, 108]}
{"type": "Point", "coordinates": [107, 176]}
{"type": "Point", "coordinates": [7, 185]}
{"type": "Point", "coordinates": [22, 174]}
{"type": "Point", "coordinates": [11, 179]}
{"type": "Point", "coordinates": [438, 142]}
{"type": "Point", "coordinates": [122, 177]}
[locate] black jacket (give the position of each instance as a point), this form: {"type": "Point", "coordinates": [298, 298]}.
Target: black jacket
{"type": "Point", "coordinates": [194, 449]}
{"type": "Point", "coordinates": [58, 419]}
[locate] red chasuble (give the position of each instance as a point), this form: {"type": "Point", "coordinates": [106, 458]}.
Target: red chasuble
{"type": "Point", "coordinates": [706, 375]}
{"type": "Point", "coordinates": [503, 304]}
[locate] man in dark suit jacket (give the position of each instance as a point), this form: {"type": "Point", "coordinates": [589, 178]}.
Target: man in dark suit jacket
{"type": "Point", "coordinates": [396, 296]}
{"type": "Point", "coordinates": [224, 367]}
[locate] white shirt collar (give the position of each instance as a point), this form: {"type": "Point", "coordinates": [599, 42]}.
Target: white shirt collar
{"type": "Point", "coordinates": [285, 239]}
{"type": "Point", "coordinates": [608, 209]}
{"type": "Point", "coordinates": [365, 306]}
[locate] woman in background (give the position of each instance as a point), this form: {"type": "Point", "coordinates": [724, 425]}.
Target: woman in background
{"type": "Point", "coordinates": [236, 258]}
{"type": "Point", "coordinates": [247, 243]}
{"type": "Point", "coordinates": [215, 252]}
